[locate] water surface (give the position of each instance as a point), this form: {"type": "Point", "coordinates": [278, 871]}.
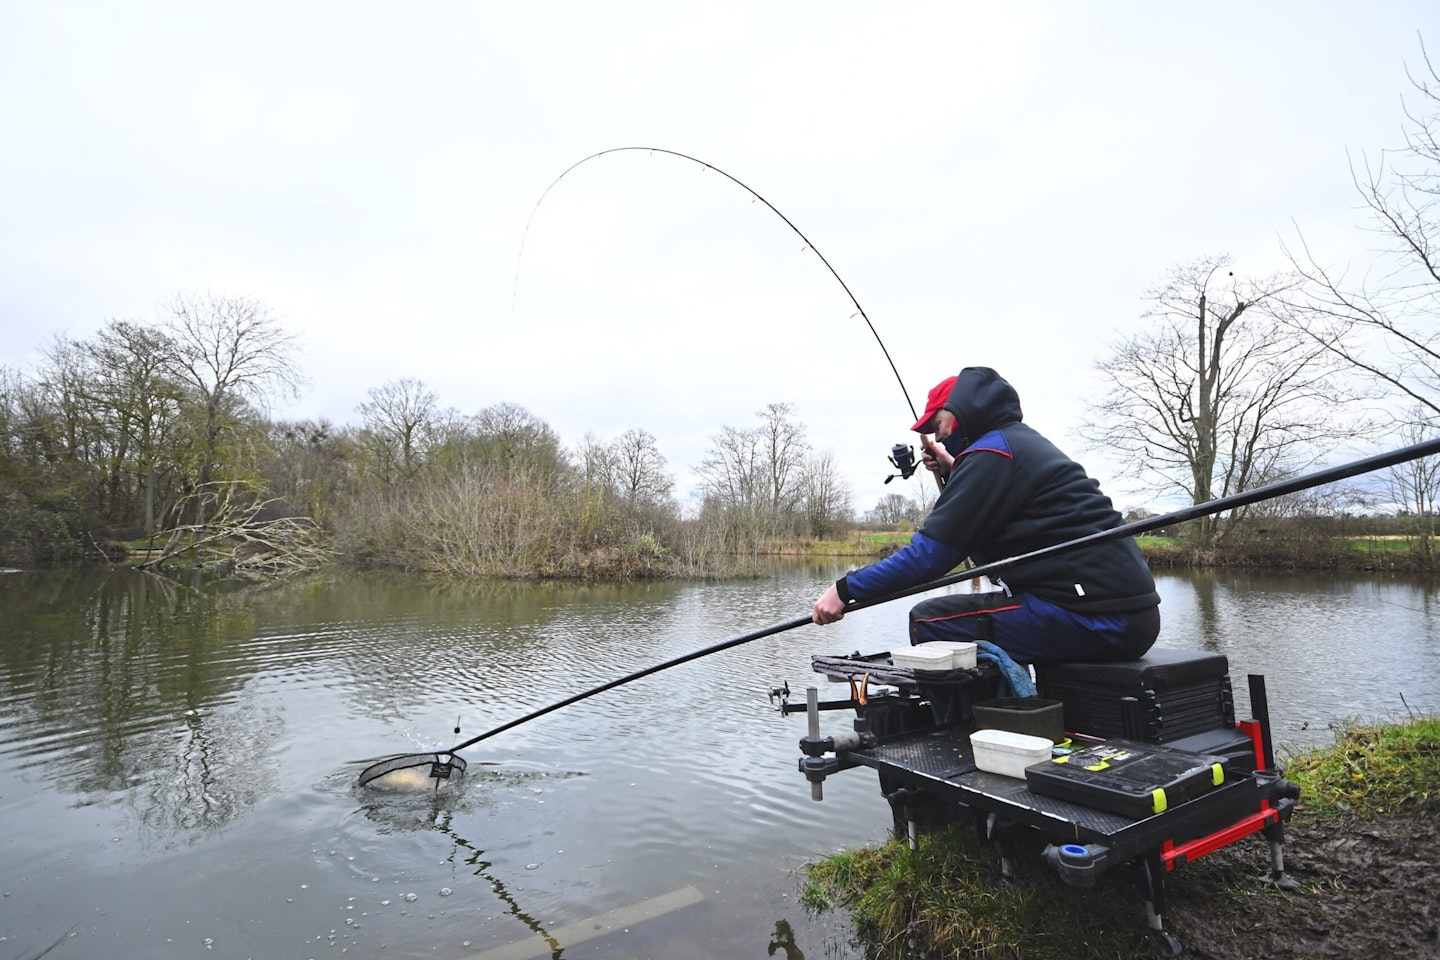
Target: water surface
{"type": "Point", "coordinates": [177, 767]}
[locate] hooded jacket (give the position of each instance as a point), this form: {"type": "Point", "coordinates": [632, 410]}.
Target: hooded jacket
{"type": "Point", "coordinates": [1011, 492]}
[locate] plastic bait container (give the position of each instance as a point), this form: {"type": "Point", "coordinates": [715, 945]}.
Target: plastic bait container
{"type": "Point", "coordinates": [1008, 753]}
{"type": "Point", "coordinates": [962, 652]}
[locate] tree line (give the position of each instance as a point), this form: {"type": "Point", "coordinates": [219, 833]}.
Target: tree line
{"type": "Point", "coordinates": [155, 432]}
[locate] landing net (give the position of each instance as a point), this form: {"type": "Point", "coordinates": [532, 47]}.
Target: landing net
{"type": "Point", "coordinates": [413, 771]}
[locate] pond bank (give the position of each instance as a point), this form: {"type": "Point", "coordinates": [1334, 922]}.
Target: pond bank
{"type": "Point", "coordinates": [1348, 555]}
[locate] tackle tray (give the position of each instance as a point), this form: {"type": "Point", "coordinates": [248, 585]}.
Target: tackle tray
{"type": "Point", "coordinates": [1127, 777]}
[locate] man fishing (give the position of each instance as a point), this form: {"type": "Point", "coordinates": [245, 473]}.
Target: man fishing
{"type": "Point", "coordinates": [1008, 491]}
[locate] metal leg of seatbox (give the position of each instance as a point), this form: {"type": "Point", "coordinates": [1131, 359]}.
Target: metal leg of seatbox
{"type": "Point", "coordinates": [1149, 876]}
{"type": "Point", "coordinates": [1000, 834]}
{"type": "Point", "coordinates": [1277, 877]}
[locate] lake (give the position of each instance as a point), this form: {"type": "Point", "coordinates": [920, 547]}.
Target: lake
{"type": "Point", "coordinates": [178, 766]}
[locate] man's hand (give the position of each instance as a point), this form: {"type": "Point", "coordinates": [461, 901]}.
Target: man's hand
{"type": "Point", "coordinates": [937, 459]}
{"type": "Point", "coordinates": [829, 608]}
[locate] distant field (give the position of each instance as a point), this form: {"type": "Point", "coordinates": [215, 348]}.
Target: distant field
{"type": "Point", "coordinates": [1387, 544]}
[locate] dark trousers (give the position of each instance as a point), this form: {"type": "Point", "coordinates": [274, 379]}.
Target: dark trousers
{"type": "Point", "coordinates": [1030, 629]}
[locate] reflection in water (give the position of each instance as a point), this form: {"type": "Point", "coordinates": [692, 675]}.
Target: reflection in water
{"type": "Point", "coordinates": [784, 939]}
{"type": "Point", "coordinates": [1207, 614]}
{"type": "Point", "coordinates": [482, 868]}
{"type": "Point", "coordinates": [437, 813]}
{"type": "Point", "coordinates": [1331, 647]}
{"type": "Point", "coordinates": [117, 680]}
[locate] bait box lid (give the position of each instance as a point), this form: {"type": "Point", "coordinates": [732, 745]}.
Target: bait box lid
{"type": "Point", "coordinates": [1127, 777]}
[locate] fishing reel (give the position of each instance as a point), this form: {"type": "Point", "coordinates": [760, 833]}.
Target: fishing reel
{"type": "Point", "coordinates": [902, 456]}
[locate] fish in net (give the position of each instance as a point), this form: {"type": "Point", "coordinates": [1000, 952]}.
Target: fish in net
{"type": "Point", "coordinates": [413, 771]}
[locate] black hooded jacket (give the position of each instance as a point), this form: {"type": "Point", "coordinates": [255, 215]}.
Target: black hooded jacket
{"type": "Point", "coordinates": [1011, 492]}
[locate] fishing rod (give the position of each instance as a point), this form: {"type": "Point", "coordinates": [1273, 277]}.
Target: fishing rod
{"type": "Point", "coordinates": [1270, 491]}
{"type": "Point", "coordinates": [710, 166]}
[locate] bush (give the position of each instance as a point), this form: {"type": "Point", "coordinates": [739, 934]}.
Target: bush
{"type": "Point", "coordinates": [29, 534]}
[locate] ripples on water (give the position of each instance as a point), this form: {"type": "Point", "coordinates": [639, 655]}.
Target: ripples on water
{"type": "Point", "coordinates": [179, 767]}
{"type": "Point", "coordinates": [1331, 647]}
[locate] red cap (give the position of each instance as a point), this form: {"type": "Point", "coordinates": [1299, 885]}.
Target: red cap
{"type": "Point", "coordinates": [938, 395]}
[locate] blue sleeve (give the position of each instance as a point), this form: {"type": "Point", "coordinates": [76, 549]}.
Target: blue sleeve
{"type": "Point", "coordinates": [921, 560]}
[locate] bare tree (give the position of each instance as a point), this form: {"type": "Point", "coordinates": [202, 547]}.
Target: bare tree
{"type": "Point", "coordinates": [1215, 395]}
{"type": "Point", "coordinates": [825, 496]}
{"type": "Point", "coordinates": [226, 350]}
{"type": "Point", "coordinates": [1415, 488]}
{"type": "Point", "coordinates": [64, 378]}
{"type": "Point", "coordinates": [593, 458]}
{"type": "Point", "coordinates": [311, 467]}
{"type": "Point", "coordinates": [514, 442]}
{"type": "Point", "coordinates": [638, 470]}
{"type": "Point", "coordinates": [731, 475]}
{"type": "Point", "coordinates": [758, 473]}
{"type": "Point", "coordinates": [1383, 323]}
{"type": "Point", "coordinates": [399, 425]}
{"type": "Point", "coordinates": [784, 449]}
{"type": "Point", "coordinates": [143, 404]}
{"type": "Point", "coordinates": [894, 509]}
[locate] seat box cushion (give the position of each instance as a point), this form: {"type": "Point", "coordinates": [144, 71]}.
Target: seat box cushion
{"type": "Point", "coordinates": [1159, 669]}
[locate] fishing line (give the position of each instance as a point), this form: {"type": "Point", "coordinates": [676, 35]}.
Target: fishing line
{"type": "Point", "coordinates": [710, 166]}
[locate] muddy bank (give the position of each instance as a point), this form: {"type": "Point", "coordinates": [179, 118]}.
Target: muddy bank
{"type": "Point", "coordinates": [1370, 889]}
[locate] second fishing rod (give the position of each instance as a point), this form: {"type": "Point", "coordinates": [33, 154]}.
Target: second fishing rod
{"type": "Point", "coordinates": [902, 456]}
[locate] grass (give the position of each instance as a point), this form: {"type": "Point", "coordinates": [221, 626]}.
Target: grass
{"type": "Point", "coordinates": [866, 544]}
{"type": "Point", "coordinates": [1371, 770]}
{"type": "Point", "coordinates": [1383, 544]}
{"type": "Point", "coordinates": [947, 899]}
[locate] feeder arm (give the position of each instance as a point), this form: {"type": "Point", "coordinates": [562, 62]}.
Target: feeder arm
{"type": "Point", "coordinates": [815, 764]}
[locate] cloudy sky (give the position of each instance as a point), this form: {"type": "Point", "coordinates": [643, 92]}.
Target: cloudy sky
{"type": "Point", "coordinates": [996, 183]}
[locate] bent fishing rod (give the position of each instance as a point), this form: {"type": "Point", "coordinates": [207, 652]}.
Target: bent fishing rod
{"type": "Point", "coordinates": [1270, 491]}
{"type": "Point", "coordinates": [773, 209]}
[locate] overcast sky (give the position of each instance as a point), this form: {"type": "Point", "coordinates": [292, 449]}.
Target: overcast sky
{"type": "Point", "coordinates": [998, 184]}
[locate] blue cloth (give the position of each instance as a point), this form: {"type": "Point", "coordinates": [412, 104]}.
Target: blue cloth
{"type": "Point", "coordinates": [1015, 677]}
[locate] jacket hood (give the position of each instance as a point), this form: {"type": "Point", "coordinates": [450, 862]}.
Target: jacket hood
{"type": "Point", "coordinates": [981, 401]}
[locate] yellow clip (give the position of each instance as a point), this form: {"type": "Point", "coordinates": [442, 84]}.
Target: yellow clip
{"type": "Point", "coordinates": [1217, 774]}
{"type": "Point", "coordinates": [1158, 802]}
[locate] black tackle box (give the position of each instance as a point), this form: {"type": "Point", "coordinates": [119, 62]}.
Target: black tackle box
{"type": "Point", "coordinates": [1164, 696]}
{"type": "Point", "coordinates": [1126, 777]}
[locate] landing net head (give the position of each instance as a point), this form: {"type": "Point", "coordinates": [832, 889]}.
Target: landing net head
{"type": "Point", "coordinates": [411, 772]}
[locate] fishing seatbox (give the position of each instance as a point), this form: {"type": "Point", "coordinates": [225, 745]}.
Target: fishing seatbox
{"type": "Point", "coordinates": [1126, 777]}
{"type": "Point", "coordinates": [1165, 696]}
